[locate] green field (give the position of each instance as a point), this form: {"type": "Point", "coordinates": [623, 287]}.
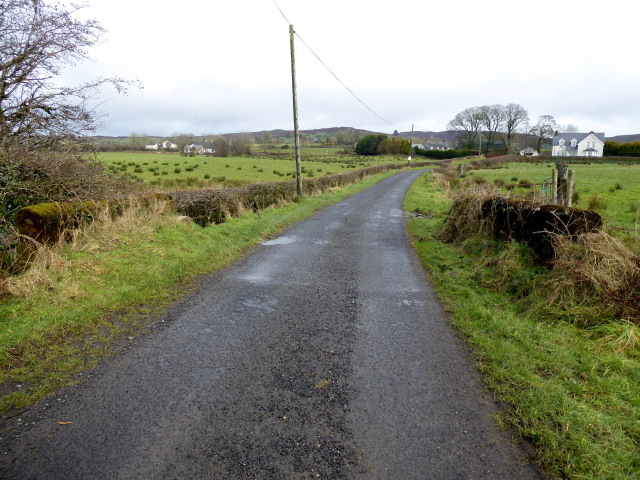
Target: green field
{"type": "Point", "coordinates": [154, 168]}
{"type": "Point", "coordinates": [616, 186]}
{"type": "Point", "coordinates": [304, 151]}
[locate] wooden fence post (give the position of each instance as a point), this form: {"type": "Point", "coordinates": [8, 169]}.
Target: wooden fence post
{"type": "Point", "coordinates": [562, 183]}
{"type": "Point", "coordinates": [569, 199]}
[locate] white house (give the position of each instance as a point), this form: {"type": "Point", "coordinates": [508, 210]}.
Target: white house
{"type": "Point", "coordinates": [578, 144]}
{"type": "Point", "coordinates": [435, 145]}
{"type": "Point", "coordinates": [204, 148]}
{"type": "Point", "coordinates": [529, 152]}
{"type": "Point", "coordinates": [166, 145]}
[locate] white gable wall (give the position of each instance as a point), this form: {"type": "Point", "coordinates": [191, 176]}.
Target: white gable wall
{"type": "Point", "coordinates": [587, 146]}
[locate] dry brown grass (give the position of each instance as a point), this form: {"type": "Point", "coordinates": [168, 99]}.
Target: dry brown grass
{"type": "Point", "coordinates": [598, 270]}
{"type": "Point", "coordinates": [51, 268]}
{"type": "Point", "coordinates": [465, 218]}
{"type": "Point", "coordinates": [592, 277]}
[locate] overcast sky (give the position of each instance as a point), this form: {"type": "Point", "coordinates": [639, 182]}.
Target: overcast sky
{"type": "Point", "coordinates": [224, 66]}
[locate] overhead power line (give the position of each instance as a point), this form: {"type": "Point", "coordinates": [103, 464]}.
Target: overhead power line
{"type": "Point", "coordinates": [331, 71]}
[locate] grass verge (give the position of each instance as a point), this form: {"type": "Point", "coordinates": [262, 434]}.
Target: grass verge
{"type": "Point", "coordinates": [570, 390]}
{"type": "Point", "coordinates": [82, 299]}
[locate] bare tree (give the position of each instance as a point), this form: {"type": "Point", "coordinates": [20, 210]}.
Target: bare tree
{"type": "Point", "coordinates": [543, 130]}
{"type": "Point", "coordinates": [491, 118]}
{"type": "Point", "coordinates": [568, 128]}
{"type": "Point", "coordinates": [468, 123]}
{"type": "Point", "coordinates": [221, 146]}
{"type": "Point", "coordinates": [241, 144]}
{"type": "Point", "coordinates": [515, 116]}
{"type": "Point", "coordinates": [37, 40]}
{"type": "Point", "coordinates": [138, 141]}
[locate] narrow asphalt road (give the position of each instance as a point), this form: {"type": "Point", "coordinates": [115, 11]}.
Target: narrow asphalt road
{"type": "Point", "coordinates": [323, 354]}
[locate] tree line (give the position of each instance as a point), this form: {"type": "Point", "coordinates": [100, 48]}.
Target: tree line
{"type": "Point", "coordinates": [615, 149]}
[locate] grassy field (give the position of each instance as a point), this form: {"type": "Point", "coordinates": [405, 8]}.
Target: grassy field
{"type": "Point", "coordinates": [158, 168]}
{"type": "Point", "coordinates": [570, 389]}
{"type": "Point", "coordinates": [304, 151]}
{"type": "Point", "coordinates": [612, 190]}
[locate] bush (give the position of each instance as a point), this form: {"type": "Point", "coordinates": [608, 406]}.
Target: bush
{"type": "Point", "coordinates": [30, 177]}
{"type": "Point", "coordinates": [368, 145]}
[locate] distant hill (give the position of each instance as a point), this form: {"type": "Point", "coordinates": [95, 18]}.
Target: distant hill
{"type": "Point", "coordinates": [277, 134]}
{"type": "Point", "coordinates": [417, 135]}
{"type": "Point", "coordinates": [625, 138]}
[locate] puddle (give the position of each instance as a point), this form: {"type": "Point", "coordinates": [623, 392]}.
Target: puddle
{"type": "Point", "coordinates": [284, 240]}
{"type": "Point", "coordinates": [265, 305]}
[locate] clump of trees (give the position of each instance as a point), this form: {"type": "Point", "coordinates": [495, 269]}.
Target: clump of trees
{"type": "Point", "coordinates": [498, 124]}
{"type": "Point", "coordinates": [503, 129]}
{"type": "Point", "coordinates": [42, 124]}
{"type": "Point", "coordinates": [615, 149]}
{"type": "Point", "coordinates": [380, 144]}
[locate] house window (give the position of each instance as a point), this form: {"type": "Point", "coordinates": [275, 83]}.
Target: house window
{"type": "Point", "coordinates": [574, 142]}
{"type": "Point", "coordinates": [561, 142]}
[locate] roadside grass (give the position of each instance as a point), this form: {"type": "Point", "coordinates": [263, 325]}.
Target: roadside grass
{"type": "Point", "coordinates": [83, 299]}
{"type": "Point", "coordinates": [612, 188]}
{"type": "Point", "coordinates": [169, 169]}
{"type": "Point", "coordinates": [570, 390]}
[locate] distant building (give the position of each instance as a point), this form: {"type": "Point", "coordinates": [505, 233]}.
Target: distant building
{"type": "Point", "coordinates": [204, 148]}
{"type": "Point", "coordinates": [578, 144]}
{"type": "Point", "coordinates": [528, 152]}
{"type": "Point", "coordinates": [435, 145]}
{"type": "Point", "coordinates": [166, 145]}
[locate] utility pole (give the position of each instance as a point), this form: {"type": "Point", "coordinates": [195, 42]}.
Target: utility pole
{"type": "Point", "coordinates": [410, 144]}
{"type": "Point", "coordinates": [296, 133]}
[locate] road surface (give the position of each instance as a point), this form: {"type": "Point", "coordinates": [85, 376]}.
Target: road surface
{"type": "Point", "coordinates": [322, 354]}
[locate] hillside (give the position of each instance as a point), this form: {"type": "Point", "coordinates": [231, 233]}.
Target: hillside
{"type": "Point", "coordinates": [625, 138]}
{"type": "Point", "coordinates": [282, 135]}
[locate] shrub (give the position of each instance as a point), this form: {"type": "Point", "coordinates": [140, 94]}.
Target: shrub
{"type": "Point", "coordinates": [597, 202]}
